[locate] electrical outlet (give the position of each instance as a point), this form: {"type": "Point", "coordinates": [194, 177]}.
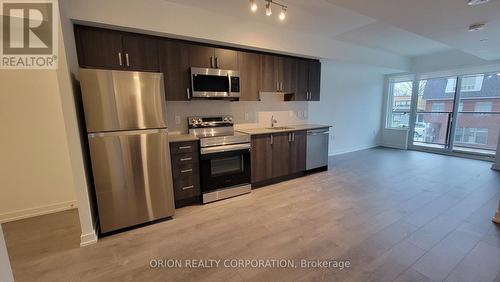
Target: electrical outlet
{"type": "Point", "coordinates": [177, 120]}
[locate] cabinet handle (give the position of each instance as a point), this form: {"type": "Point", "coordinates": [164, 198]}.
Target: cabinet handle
{"type": "Point", "coordinates": [289, 137]}
{"type": "Point", "coordinates": [127, 60]}
{"type": "Point", "coordinates": [281, 86]}
{"type": "Point", "coordinates": [188, 187]}
{"type": "Point", "coordinates": [277, 86]}
{"type": "Point", "coordinates": [216, 62]}
{"type": "Point", "coordinates": [211, 61]}
{"type": "Point", "coordinates": [272, 139]}
{"type": "Point", "coordinates": [120, 59]}
{"type": "Point", "coordinates": [185, 159]}
{"type": "Point", "coordinates": [187, 91]}
{"type": "Point", "coordinates": [186, 170]}
{"type": "Point", "coordinates": [184, 147]}
{"type": "Point", "coordinates": [293, 137]}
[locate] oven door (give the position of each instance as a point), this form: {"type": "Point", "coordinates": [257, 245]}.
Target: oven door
{"type": "Point", "coordinates": [225, 166]}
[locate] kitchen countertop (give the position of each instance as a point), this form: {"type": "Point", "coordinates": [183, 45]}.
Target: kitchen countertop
{"type": "Point", "coordinates": [298, 127]}
{"type": "Point", "coordinates": [176, 137]}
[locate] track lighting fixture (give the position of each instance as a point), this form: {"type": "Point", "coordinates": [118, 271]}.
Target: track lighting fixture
{"type": "Point", "coordinates": [268, 6]}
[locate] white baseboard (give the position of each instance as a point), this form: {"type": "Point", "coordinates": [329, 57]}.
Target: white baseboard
{"type": "Point", "coordinates": [395, 146]}
{"type": "Point", "coordinates": [88, 239]}
{"type": "Point", "coordinates": [350, 150]}
{"type": "Point", "coordinates": [31, 212]}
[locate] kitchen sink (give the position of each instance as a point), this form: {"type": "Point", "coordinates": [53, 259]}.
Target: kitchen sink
{"type": "Point", "coordinates": [280, 128]}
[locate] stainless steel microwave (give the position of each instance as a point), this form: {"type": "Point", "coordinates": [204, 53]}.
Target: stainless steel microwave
{"type": "Point", "coordinates": [215, 83]}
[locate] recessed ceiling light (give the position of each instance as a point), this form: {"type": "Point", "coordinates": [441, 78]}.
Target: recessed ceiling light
{"type": "Point", "coordinates": [476, 27]}
{"type": "Point", "coordinates": [477, 2]}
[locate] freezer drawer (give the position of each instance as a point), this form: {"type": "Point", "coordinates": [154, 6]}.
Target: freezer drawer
{"type": "Point", "coordinates": [132, 177]}
{"type": "Point", "coordinates": [122, 100]}
{"type": "Point", "coordinates": [317, 148]}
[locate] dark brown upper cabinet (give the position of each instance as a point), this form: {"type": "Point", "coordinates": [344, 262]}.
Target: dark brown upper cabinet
{"type": "Point", "coordinates": [250, 72]}
{"type": "Point", "coordinates": [314, 80]}
{"type": "Point", "coordinates": [308, 80]}
{"type": "Point", "coordinates": [209, 57]}
{"type": "Point", "coordinates": [269, 78]}
{"type": "Point", "coordinates": [174, 64]}
{"type": "Point", "coordinates": [286, 74]}
{"type": "Point", "coordinates": [103, 48]}
{"type": "Point", "coordinates": [141, 52]}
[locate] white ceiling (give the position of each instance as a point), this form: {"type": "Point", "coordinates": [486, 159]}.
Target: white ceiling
{"type": "Point", "coordinates": [406, 27]}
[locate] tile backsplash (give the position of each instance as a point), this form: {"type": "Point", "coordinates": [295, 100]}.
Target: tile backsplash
{"type": "Point", "coordinates": [247, 114]}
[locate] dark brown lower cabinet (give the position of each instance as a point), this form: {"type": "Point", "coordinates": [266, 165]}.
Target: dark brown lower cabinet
{"type": "Point", "coordinates": [278, 155]}
{"type": "Point", "coordinates": [185, 172]}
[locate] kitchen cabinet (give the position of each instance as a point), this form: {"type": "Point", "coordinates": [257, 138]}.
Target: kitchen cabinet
{"type": "Point", "coordinates": [314, 80]}
{"type": "Point", "coordinates": [202, 56]}
{"type": "Point", "coordinates": [286, 74]}
{"type": "Point", "coordinates": [174, 64]}
{"type": "Point", "coordinates": [250, 72]}
{"type": "Point", "coordinates": [261, 156]}
{"type": "Point", "coordinates": [278, 155]}
{"type": "Point", "coordinates": [308, 80]}
{"type": "Point", "coordinates": [268, 79]}
{"type": "Point", "coordinates": [185, 172]}
{"type": "Point", "coordinates": [103, 48]}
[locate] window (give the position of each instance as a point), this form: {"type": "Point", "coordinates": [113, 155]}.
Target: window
{"type": "Point", "coordinates": [400, 97]}
{"type": "Point", "coordinates": [469, 84]}
{"type": "Point", "coordinates": [437, 107]}
{"type": "Point", "coordinates": [476, 136]}
{"type": "Point", "coordinates": [483, 107]}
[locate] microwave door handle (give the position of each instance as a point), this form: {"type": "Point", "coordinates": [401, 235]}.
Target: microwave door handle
{"type": "Point", "coordinates": [229, 84]}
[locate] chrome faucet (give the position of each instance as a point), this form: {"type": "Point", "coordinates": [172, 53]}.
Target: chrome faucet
{"type": "Point", "coordinates": [273, 121]}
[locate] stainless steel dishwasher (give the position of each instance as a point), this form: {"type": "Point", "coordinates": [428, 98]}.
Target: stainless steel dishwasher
{"type": "Point", "coordinates": [317, 148]}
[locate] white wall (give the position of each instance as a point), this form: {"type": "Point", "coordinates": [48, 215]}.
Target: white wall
{"type": "Point", "coordinates": [351, 101]}
{"type": "Point", "coordinates": [5, 270]}
{"type": "Point", "coordinates": [36, 177]}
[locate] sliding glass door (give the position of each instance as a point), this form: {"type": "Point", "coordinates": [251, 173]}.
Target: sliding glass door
{"type": "Point", "coordinates": [432, 121]}
{"type": "Point", "coordinates": [457, 114]}
{"type": "Point", "coordinates": [478, 114]}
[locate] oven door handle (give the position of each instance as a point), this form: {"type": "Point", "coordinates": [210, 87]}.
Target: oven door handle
{"type": "Point", "coordinates": [225, 148]}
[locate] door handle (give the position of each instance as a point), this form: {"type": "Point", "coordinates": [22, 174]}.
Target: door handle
{"type": "Point", "coordinates": [120, 58]}
{"type": "Point", "coordinates": [272, 141]}
{"type": "Point", "coordinates": [293, 136]}
{"type": "Point", "coordinates": [217, 62]}
{"type": "Point", "coordinates": [188, 187]}
{"type": "Point", "coordinates": [186, 170]}
{"type": "Point", "coordinates": [289, 137]}
{"type": "Point", "coordinates": [184, 147]}
{"type": "Point", "coordinates": [185, 159]}
{"type": "Point", "coordinates": [127, 60]}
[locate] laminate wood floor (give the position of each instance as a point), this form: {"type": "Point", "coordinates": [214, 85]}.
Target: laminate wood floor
{"type": "Point", "coordinates": [394, 215]}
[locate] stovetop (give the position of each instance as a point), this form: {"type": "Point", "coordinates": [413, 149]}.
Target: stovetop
{"type": "Point", "coordinates": [216, 131]}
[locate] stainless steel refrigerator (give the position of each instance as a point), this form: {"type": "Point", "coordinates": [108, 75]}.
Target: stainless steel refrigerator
{"type": "Point", "coordinates": [125, 116]}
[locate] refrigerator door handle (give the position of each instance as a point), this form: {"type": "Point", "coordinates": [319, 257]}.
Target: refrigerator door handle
{"type": "Point", "coordinates": [128, 132]}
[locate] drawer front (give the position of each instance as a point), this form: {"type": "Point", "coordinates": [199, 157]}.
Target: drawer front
{"type": "Point", "coordinates": [186, 170]}
{"type": "Point", "coordinates": [184, 147]}
{"type": "Point", "coordinates": [186, 187]}
{"type": "Point", "coordinates": [186, 158]}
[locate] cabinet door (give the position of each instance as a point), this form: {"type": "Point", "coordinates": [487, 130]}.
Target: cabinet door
{"type": "Point", "coordinates": [281, 154]}
{"type": "Point", "coordinates": [249, 65]}
{"type": "Point", "coordinates": [226, 59]}
{"type": "Point", "coordinates": [174, 64]}
{"type": "Point", "coordinates": [268, 73]}
{"type": "Point", "coordinates": [99, 48]}
{"type": "Point", "coordinates": [262, 162]}
{"type": "Point", "coordinates": [140, 52]}
{"type": "Point", "coordinates": [314, 80]}
{"type": "Point", "coordinates": [301, 92]}
{"type": "Point", "coordinates": [287, 74]}
{"type": "Point", "coordinates": [298, 152]}
{"type": "Point", "coordinates": [201, 56]}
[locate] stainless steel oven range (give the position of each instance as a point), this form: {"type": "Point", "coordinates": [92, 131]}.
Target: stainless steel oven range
{"type": "Point", "coordinates": [224, 157]}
